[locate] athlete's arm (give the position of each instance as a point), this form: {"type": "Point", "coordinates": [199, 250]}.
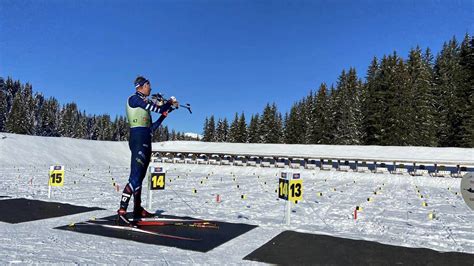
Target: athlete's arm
{"type": "Point", "coordinates": [136, 101]}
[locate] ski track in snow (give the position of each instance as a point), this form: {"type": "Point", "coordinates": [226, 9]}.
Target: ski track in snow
{"type": "Point", "coordinates": [396, 215]}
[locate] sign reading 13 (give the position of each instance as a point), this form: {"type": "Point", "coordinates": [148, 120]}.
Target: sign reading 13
{"type": "Point", "coordinates": [157, 181]}
{"type": "Point", "coordinates": [296, 190]}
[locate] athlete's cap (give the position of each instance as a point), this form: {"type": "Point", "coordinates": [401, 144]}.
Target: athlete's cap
{"type": "Point", "coordinates": [140, 81]}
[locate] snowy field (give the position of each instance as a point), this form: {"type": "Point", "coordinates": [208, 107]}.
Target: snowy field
{"type": "Point", "coordinates": [395, 215]}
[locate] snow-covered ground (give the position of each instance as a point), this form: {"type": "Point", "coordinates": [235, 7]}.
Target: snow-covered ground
{"type": "Point", "coordinates": [394, 216]}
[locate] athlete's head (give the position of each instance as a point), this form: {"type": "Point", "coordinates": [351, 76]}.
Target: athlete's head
{"type": "Point", "coordinates": [143, 85]}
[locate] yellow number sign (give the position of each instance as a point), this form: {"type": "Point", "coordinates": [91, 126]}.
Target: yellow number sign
{"type": "Point", "coordinates": [56, 176]}
{"type": "Point", "coordinates": [283, 188]}
{"type": "Point", "coordinates": [296, 190]}
{"type": "Point", "coordinates": [157, 181]}
{"type": "Point", "coordinates": [290, 189]}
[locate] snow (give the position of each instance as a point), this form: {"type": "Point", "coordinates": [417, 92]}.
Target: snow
{"type": "Point", "coordinates": [33, 150]}
{"type": "Point", "coordinates": [395, 216]}
{"type": "Point", "coordinates": [193, 135]}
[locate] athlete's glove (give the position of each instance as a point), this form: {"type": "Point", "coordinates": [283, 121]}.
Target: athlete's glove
{"type": "Point", "coordinates": [174, 103]}
{"type": "Point", "coordinates": [157, 102]}
{"type": "Point", "coordinates": [157, 99]}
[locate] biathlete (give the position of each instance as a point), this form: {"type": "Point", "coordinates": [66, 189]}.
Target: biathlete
{"type": "Point", "coordinates": [139, 109]}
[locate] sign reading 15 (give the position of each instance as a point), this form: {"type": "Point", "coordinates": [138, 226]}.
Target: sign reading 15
{"type": "Point", "coordinates": [56, 176]}
{"type": "Point", "coordinates": [290, 189]}
{"type": "Point", "coordinates": [157, 181]}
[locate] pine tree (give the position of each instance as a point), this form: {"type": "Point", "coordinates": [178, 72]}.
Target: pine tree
{"type": "Point", "coordinates": [319, 128]}
{"type": "Point", "coordinates": [205, 131]}
{"type": "Point", "coordinates": [253, 130]}
{"type": "Point", "coordinates": [93, 126]}
{"type": "Point", "coordinates": [20, 118]}
{"type": "Point", "coordinates": [212, 129]}
{"type": "Point", "coordinates": [29, 109]}
{"type": "Point", "coordinates": [446, 85]}
{"type": "Point", "coordinates": [173, 135]}
{"type": "Point", "coordinates": [374, 104]}
{"type": "Point", "coordinates": [209, 129]}
{"type": "Point", "coordinates": [352, 101]}
{"type": "Point", "coordinates": [294, 124]}
{"type": "Point", "coordinates": [219, 131]}
{"type": "Point", "coordinates": [346, 109]}
{"type": "Point", "coordinates": [278, 122]}
{"type": "Point", "coordinates": [38, 105]}
{"type": "Point", "coordinates": [124, 129]}
{"type": "Point", "coordinates": [11, 89]}
{"type": "Point", "coordinates": [302, 120]}
{"type": "Point", "coordinates": [82, 125]}
{"type": "Point", "coordinates": [225, 130]}
{"type": "Point", "coordinates": [50, 118]}
{"type": "Point", "coordinates": [106, 131]}
{"type": "Point", "coordinates": [158, 134]}
{"type": "Point", "coordinates": [399, 113]}
{"type": "Point", "coordinates": [15, 117]}
{"type": "Point", "coordinates": [285, 127]}
{"type": "Point", "coordinates": [69, 120]}
{"type": "Point", "coordinates": [234, 130]}
{"type": "Point", "coordinates": [166, 134]}
{"type": "Point", "coordinates": [362, 101]}
{"type": "Point", "coordinates": [335, 110]}
{"type": "Point", "coordinates": [222, 130]}
{"type": "Point", "coordinates": [3, 104]}
{"type": "Point", "coordinates": [271, 125]}
{"type": "Point", "coordinates": [242, 130]}
{"type": "Point", "coordinates": [420, 83]}
{"type": "Point", "coordinates": [465, 93]}
{"type": "Point", "coordinates": [311, 123]}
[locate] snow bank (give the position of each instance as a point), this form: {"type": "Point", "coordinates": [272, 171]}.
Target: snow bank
{"type": "Point", "coordinates": [33, 150]}
{"type": "Point", "coordinates": [22, 149]}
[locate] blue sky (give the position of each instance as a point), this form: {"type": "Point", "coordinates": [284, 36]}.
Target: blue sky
{"type": "Point", "coordinates": [221, 56]}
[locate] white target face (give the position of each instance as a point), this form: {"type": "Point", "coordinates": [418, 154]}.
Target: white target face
{"type": "Point", "coordinates": [467, 189]}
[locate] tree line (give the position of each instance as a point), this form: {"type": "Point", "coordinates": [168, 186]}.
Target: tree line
{"type": "Point", "coordinates": [423, 100]}
{"type": "Point", "coordinates": [28, 113]}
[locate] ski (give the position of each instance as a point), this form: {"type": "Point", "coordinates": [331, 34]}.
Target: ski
{"type": "Point", "coordinates": [162, 219]}
{"type": "Point", "coordinates": [157, 221]}
{"type": "Point", "coordinates": [187, 223]}
{"type": "Point", "coordinates": [140, 230]}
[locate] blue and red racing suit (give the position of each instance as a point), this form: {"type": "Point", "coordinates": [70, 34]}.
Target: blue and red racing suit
{"type": "Point", "coordinates": [139, 109]}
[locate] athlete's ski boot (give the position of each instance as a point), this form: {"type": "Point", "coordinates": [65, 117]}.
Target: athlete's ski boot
{"type": "Point", "coordinates": [122, 217]}
{"type": "Point", "coordinates": [140, 212]}
{"type": "Point", "coordinates": [122, 211]}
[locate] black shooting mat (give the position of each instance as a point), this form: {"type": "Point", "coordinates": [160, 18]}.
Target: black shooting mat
{"type": "Point", "coordinates": [291, 247]}
{"type": "Point", "coordinates": [25, 210]}
{"type": "Point", "coordinates": [205, 239]}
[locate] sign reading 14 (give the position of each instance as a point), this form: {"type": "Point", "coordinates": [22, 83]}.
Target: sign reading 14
{"type": "Point", "coordinates": [157, 179]}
